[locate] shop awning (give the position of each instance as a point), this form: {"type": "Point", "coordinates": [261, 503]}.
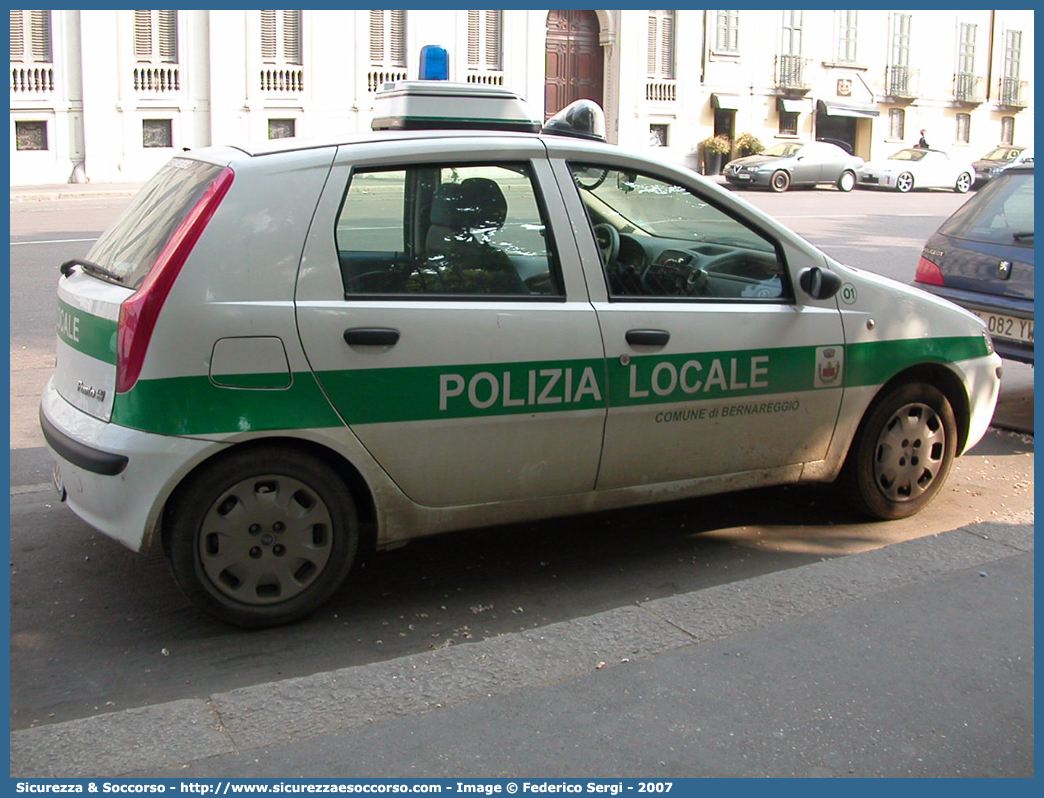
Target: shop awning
{"type": "Point", "coordinates": [726, 102]}
{"type": "Point", "coordinates": [789, 106]}
{"type": "Point", "coordinates": [856, 110]}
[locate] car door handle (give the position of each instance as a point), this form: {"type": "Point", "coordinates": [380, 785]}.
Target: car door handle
{"type": "Point", "coordinates": [371, 336]}
{"type": "Point", "coordinates": [648, 337]}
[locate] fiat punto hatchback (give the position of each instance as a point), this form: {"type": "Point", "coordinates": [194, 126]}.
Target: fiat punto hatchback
{"type": "Point", "coordinates": [278, 357]}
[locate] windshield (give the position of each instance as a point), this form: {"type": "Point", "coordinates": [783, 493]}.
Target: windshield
{"type": "Point", "coordinates": [908, 155]}
{"type": "Point", "coordinates": [785, 149]}
{"type": "Point", "coordinates": [128, 249]}
{"type": "Point", "coordinates": [1003, 154]}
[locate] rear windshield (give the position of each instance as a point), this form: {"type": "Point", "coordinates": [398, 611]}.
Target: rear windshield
{"type": "Point", "coordinates": [1001, 213]}
{"type": "Point", "coordinates": [135, 240]}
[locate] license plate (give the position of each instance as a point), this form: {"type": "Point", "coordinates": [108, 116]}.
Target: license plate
{"type": "Point", "coordinates": [1009, 327]}
{"type": "Point", "coordinates": [742, 177]}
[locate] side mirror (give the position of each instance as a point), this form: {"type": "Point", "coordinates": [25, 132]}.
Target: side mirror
{"type": "Point", "coordinates": [819, 283]}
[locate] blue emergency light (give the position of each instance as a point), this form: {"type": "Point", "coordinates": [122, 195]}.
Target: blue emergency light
{"type": "Point", "coordinates": [434, 63]}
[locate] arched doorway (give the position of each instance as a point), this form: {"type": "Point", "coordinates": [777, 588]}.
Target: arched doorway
{"type": "Point", "coordinates": [574, 60]}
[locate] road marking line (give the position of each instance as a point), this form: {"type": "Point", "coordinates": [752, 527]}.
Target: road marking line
{"type": "Point", "coordinates": [17, 490]}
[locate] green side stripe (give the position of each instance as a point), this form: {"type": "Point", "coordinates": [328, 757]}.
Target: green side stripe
{"type": "Point", "coordinates": [92, 335]}
{"type": "Point", "coordinates": [195, 405]}
{"type": "Point", "coordinates": [876, 363]}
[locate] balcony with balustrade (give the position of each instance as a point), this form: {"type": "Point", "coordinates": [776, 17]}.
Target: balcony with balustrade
{"type": "Point", "coordinates": [792, 74]}
{"type": "Point", "coordinates": [31, 82]}
{"type": "Point", "coordinates": [902, 84]}
{"type": "Point", "coordinates": [1012, 93]}
{"type": "Point", "coordinates": [969, 89]}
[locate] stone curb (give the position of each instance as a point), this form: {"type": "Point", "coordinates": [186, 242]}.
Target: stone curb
{"type": "Point", "coordinates": [179, 732]}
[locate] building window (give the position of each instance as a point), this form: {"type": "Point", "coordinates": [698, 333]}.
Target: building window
{"type": "Point", "coordinates": [965, 89]}
{"type": "Point", "coordinates": [156, 133]}
{"type": "Point", "coordinates": [30, 135]}
{"type": "Point", "coordinates": [846, 36]}
{"type": "Point", "coordinates": [388, 39]}
{"type": "Point", "coordinates": [964, 128]}
{"type": "Point", "coordinates": [899, 67]}
{"type": "Point", "coordinates": [31, 37]}
{"type": "Point", "coordinates": [282, 128]}
{"type": "Point", "coordinates": [660, 56]}
{"type": "Point", "coordinates": [156, 37]}
{"type": "Point", "coordinates": [484, 41]}
{"type": "Point", "coordinates": [658, 135]}
{"type": "Point", "coordinates": [788, 123]}
{"type": "Point", "coordinates": [1007, 130]}
{"type": "Point", "coordinates": [791, 59]}
{"type": "Point", "coordinates": [897, 123]}
{"type": "Point", "coordinates": [726, 37]}
{"type": "Point", "coordinates": [1011, 89]}
{"type": "Point", "coordinates": [281, 37]}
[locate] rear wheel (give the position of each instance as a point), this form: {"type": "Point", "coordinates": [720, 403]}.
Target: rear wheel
{"type": "Point", "coordinates": [964, 183]}
{"type": "Point", "coordinates": [904, 182]}
{"type": "Point", "coordinates": [780, 181]}
{"type": "Point", "coordinates": [847, 181]}
{"type": "Point", "coordinates": [902, 452]}
{"type": "Point", "coordinates": [262, 537]}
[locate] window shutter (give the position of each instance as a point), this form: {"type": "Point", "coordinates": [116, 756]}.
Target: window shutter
{"type": "Point", "coordinates": [493, 60]}
{"type": "Point", "coordinates": [397, 49]}
{"type": "Point", "coordinates": [377, 37]}
{"type": "Point", "coordinates": [143, 34]}
{"type": "Point", "coordinates": [651, 54]}
{"type": "Point", "coordinates": [474, 44]}
{"type": "Point", "coordinates": [17, 36]}
{"type": "Point", "coordinates": [292, 37]}
{"type": "Point", "coordinates": [40, 30]}
{"type": "Point", "coordinates": [667, 46]}
{"type": "Point", "coordinates": [268, 35]}
{"type": "Point", "coordinates": [168, 36]}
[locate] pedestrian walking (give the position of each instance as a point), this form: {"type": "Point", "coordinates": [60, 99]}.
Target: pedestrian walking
{"type": "Point", "coordinates": [922, 142]}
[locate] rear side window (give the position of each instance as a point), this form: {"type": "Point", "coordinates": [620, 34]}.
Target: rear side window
{"type": "Point", "coordinates": [1001, 213]}
{"type": "Point", "coordinates": [447, 230]}
{"type": "Point", "coordinates": [130, 247]}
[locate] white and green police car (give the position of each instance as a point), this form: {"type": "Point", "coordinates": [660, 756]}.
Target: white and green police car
{"type": "Point", "coordinates": [279, 356]}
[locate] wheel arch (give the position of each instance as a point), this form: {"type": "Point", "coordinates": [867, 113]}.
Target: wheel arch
{"type": "Point", "coordinates": [343, 469]}
{"type": "Point", "coordinates": [940, 377]}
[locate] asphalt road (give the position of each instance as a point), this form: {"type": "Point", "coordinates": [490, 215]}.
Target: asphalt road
{"type": "Point", "coordinates": [72, 587]}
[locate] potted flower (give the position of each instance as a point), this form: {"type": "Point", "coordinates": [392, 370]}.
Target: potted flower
{"type": "Point", "coordinates": [748, 144]}
{"type": "Point", "coordinates": [715, 148]}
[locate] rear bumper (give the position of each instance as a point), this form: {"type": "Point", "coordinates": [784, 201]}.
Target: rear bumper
{"type": "Point", "coordinates": [115, 478]}
{"type": "Point", "coordinates": [977, 302]}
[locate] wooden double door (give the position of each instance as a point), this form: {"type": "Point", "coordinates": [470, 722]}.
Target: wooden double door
{"type": "Point", "coordinates": [574, 60]}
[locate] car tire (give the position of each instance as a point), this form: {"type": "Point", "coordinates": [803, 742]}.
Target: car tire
{"type": "Point", "coordinates": [847, 181]}
{"type": "Point", "coordinates": [902, 452]}
{"type": "Point", "coordinates": [964, 183]}
{"type": "Point", "coordinates": [904, 182]}
{"type": "Point", "coordinates": [779, 181]}
{"type": "Point", "coordinates": [262, 537]}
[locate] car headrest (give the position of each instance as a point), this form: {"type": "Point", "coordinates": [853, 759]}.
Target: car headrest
{"type": "Point", "coordinates": [476, 203]}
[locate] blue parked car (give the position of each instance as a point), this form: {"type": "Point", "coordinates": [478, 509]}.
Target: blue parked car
{"type": "Point", "coordinates": [982, 259]}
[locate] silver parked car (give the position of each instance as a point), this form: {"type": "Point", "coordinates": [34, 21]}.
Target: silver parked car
{"type": "Point", "coordinates": [997, 160]}
{"type": "Point", "coordinates": [914, 167]}
{"type": "Point", "coordinates": [796, 163]}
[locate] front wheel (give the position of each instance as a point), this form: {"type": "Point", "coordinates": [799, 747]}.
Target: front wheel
{"type": "Point", "coordinates": [262, 537]}
{"type": "Point", "coordinates": [780, 181]}
{"type": "Point", "coordinates": [903, 451]}
{"type": "Point", "coordinates": [904, 182]}
{"type": "Point", "coordinates": [847, 181]}
{"type": "Point", "coordinates": [964, 183]}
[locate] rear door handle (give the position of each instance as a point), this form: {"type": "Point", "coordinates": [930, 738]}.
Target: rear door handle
{"type": "Point", "coordinates": [648, 337]}
{"type": "Point", "coordinates": [371, 336]}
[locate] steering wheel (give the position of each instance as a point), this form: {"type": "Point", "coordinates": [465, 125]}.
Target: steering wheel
{"type": "Point", "coordinates": [608, 240]}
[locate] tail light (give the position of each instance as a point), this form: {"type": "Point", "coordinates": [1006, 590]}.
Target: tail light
{"type": "Point", "coordinates": [928, 272]}
{"type": "Point", "coordinates": [138, 314]}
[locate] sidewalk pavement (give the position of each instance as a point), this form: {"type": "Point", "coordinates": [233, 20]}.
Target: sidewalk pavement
{"type": "Point", "coordinates": [914, 660]}
{"type": "Point", "coordinates": [73, 191]}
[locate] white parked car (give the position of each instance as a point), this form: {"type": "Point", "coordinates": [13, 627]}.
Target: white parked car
{"type": "Point", "coordinates": [914, 167]}
{"type": "Point", "coordinates": [280, 355]}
